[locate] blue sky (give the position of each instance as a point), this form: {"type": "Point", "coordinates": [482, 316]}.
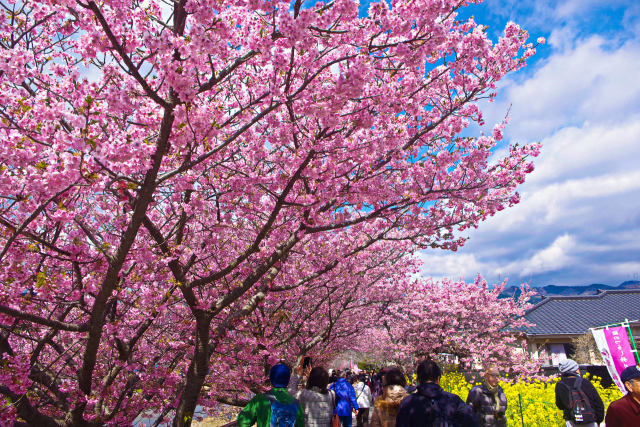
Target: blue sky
{"type": "Point", "coordinates": [579, 218]}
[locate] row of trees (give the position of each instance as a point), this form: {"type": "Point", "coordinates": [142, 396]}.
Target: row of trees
{"type": "Point", "coordinates": [186, 185]}
{"type": "Point", "coordinates": [388, 319]}
{"type": "Point", "coordinates": [469, 321]}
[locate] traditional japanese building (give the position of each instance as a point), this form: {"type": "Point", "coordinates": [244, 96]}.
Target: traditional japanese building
{"type": "Point", "coordinates": [562, 321]}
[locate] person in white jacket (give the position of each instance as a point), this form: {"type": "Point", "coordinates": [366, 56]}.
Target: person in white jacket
{"type": "Point", "coordinates": [365, 400]}
{"type": "Point", "coordinates": [316, 400]}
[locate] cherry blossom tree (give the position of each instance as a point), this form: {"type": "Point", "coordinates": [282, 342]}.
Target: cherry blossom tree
{"type": "Point", "coordinates": [387, 315]}
{"type": "Point", "coordinates": [320, 319]}
{"type": "Point", "coordinates": [164, 164]}
{"type": "Point", "coordinates": [467, 320]}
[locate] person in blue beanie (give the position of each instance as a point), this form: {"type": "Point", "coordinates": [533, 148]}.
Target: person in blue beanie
{"type": "Point", "coordinates": [346, 401]}
{"type": "Point", "coordinates": [276, 407]}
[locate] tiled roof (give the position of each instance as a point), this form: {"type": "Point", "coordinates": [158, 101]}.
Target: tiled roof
{"type": "Point", "coordinates": [575, 315]}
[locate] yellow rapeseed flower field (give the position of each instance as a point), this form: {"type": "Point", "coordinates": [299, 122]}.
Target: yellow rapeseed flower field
{"type": "Point", "coordinates": [538, 398]}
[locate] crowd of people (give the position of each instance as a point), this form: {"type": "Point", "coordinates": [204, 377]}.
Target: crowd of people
{"type": "Point", "coordinates": [315, 397]}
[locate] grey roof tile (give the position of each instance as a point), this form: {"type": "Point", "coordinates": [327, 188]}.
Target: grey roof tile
{"type": "Point", "coordinates": [575, 315]}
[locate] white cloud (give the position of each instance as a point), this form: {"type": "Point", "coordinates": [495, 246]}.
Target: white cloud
{"type": "Point", "coordinates": [582, 83]}
{"type": "Point", "coordinates": [554, 257]}
{"type": "Point", "coordinates": [561, 38]}
{"type": "Point", "coordinates": [563, 201]}
{"type": "Point", "coordinates": [589, 161]}
{"type": "Point", "coordinates": [448, 265]}
{"type": "Point", "coordinates": [589, 150]}
{"type": "Point", "coordinates": [571, 7]}
{"type": "Point", "coordinates": [579, 217]}
{"type": "Point", "coordinates": [557, 255]}
{"type": "Point", "coordinates": [623, 268]}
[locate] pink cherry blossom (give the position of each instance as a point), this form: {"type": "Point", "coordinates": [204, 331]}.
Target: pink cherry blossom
{"type": "Point", "coordinates": [180, 187]}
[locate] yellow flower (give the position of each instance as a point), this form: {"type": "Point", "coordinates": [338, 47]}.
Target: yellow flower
{"type": "Point", "coordinates": [529, 400]}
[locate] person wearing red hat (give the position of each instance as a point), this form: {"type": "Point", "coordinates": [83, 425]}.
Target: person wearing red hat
{"type": "Point", "coordinates": [626, 410]}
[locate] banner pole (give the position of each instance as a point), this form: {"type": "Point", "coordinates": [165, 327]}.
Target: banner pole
{"type": "Point", "coordinates": [521, 415]}
{"type": "Point", "coordinates": [633, 341]}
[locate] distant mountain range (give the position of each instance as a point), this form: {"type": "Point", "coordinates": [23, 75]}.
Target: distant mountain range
{"type": "Point", "coordinates": [555, 290]}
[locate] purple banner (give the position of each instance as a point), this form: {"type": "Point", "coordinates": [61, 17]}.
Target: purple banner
{"type": "Point", "coordinates": [619, 347]}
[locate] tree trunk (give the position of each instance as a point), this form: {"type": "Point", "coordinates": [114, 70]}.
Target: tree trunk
{"type": "Point", "coordinates": [198, 370]}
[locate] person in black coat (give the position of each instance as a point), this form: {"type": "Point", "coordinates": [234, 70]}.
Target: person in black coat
{"type": "Point", "coordinates": [570, 372]}
{"type": "Point", "coordinates": [430, 405]}
{"type": "Point", "coordinates": [488, 400]}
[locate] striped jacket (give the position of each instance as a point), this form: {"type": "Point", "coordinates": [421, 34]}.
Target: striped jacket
{"type": "Point", "coordinates": [317, 406]}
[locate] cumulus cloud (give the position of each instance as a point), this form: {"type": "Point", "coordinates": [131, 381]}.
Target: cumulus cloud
{"type": "Point", "coordinates": [444, 265]}
{"type": "Point", "coordinates": [588, 82]}
{"type": "Point", "coordinates": [579, 217]}
{"type": "Point", "coordinates": [554, 257]}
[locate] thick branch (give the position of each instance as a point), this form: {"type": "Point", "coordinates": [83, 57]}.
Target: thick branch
{"type": "Point", "coordinates": [27, 412]}
{"type": "Point", "coordinates": [43, 320]}
{"type": "Point", "coordinates": [96, 322]}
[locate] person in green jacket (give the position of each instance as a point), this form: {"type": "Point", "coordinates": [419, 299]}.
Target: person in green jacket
{"type": "Point", "coordinates": [276, 407]}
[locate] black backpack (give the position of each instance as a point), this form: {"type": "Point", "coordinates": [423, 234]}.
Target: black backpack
{"type": "Point", "coordinates": [581, 410]}
{"type": "Point", "coordinates": [437, 411]}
